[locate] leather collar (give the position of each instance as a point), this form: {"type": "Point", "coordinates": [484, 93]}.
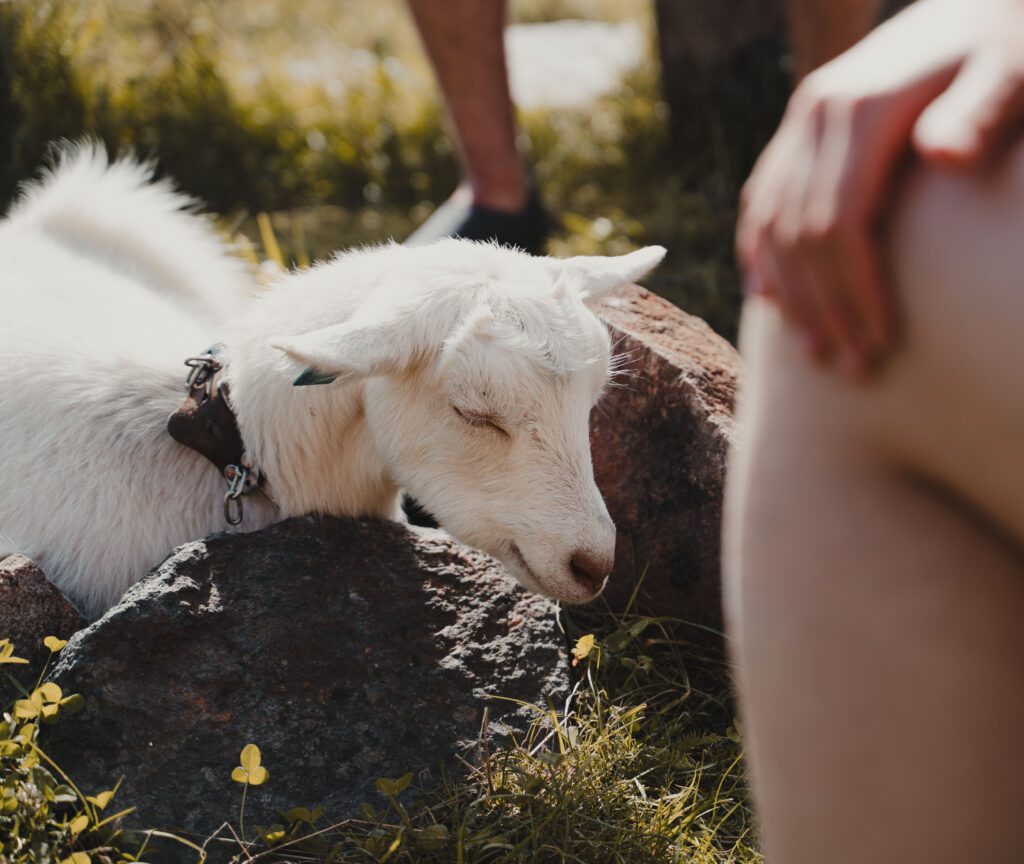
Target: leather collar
{"type": "Point", "coordinates": [206, 423]}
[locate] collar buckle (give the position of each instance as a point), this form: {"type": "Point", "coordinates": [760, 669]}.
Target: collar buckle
{"type": "Point", "coordinates": [202, 369]}
{"type": "Point", "coordinates": [206, 423]}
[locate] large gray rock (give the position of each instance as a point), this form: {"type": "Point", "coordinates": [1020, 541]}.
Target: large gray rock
{"type": "Point", "coordinates": [659, 443]}
{"type": "Point", "coordinates": [346, 650]}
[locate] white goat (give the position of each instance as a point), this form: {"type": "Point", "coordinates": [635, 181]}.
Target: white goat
{"type": "Point", "coordinates": [463, 373]}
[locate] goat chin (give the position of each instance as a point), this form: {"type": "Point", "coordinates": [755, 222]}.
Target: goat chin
{"type": "Point", "coordinates": [463, 371]}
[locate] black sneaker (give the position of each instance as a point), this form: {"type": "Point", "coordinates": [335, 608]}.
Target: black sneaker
{"type": "Point", "coordinates": [526, 229]}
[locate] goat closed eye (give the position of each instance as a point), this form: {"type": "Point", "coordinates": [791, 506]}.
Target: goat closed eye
{"type": "Point", "coordinates": [480, 421]}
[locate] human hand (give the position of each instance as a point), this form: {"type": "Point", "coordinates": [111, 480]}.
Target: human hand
{"type": "Point", "coordinates": [945, 78]}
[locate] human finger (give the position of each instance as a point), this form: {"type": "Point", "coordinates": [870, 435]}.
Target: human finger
{"type": "Point", "coordinates": [759, 200]}
{"type": "Point", "coordinates": [775, 226]}
{"type": "Point", "coordinates": [971, 121]}
{"type": "Point", "coordinates": [857, 163]}
{"type": "Point", "coordinates": [794, 303]}
{"type": "Point", "coordinates": [821, 220]}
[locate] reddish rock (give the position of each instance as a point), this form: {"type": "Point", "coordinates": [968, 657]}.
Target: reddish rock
{"type": "Point", "coordinates": [659, 443]}
{"type": "Point", "coordinates": [32, 609]}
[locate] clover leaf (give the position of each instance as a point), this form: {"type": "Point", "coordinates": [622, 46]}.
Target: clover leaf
{"type": "Point", "coordinates": [7, 653]}
{"type": "Point", "coordinates": [54, 644]}
{"type": "Point", "coordinates": [584, 645]}
{"type": "Point", "coordinates": [249, 770]}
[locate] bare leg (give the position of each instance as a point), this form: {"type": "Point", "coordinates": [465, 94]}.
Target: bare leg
{"type": "Point", "coordinates": [875, 578]}
{"type": "Point", "coordinates": [466, 43]}
{"type": "Point", "coordinates": [822, 29]}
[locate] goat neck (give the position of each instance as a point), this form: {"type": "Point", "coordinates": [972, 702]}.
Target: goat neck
{"type": "Point", "coordinates": [312, 444]}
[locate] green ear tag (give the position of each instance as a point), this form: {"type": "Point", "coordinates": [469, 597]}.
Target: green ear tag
{"type": "Point", "coordinates": [311, 376]}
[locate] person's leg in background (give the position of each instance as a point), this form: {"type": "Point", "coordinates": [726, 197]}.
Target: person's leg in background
{"type": "Point", "coordinates": [875, 557]}
{"type": "Point", "coordinates": [465, 40]}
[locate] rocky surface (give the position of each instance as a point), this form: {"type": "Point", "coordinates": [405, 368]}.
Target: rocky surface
{"type": "Point", "coordinates": [346, 650]}
{"type": "Point", "coordinates": [30, 610]}
{"type": "Point", "coordinates": [659, 443]}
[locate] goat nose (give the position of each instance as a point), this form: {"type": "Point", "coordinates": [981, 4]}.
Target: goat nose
{"type": "Point", "coordinates": [590, 569]}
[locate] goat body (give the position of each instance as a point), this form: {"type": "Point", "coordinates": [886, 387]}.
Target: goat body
{"type": "Point", "coordinates": [463, 372]}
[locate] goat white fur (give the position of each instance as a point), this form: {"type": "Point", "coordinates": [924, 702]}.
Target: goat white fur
{"type": "Point", "coordinates": [465, 374]}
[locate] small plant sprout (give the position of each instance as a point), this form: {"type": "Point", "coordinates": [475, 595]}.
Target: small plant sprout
{"type": "Point", "coordinates": [103, 799]}
{"type": "Point", "coordinates": [249, 772]}
{"type": "Point", "coordinates": [45, 703]}
{"type": "Point", "coordinates": [391, 789]}
{"type": "Point", "coordinates": [54, 644]}
{"type": "Point", "coordinates": [585, 645]}
{"type": "Point", "coordinates": [41, 808]}
{"type": "Point", "coordinates": [7, 653]}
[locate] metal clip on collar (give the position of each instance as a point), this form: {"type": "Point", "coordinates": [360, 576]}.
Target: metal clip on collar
{"type": "Point", "coordinates": [203, 367]}
{"type": "Point", "coordinates": [238, 477]}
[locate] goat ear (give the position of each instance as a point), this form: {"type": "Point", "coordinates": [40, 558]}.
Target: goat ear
{"type": "Point", "coordinates": [601, 275]}
{"type": "Point", "coordinates": [342, 352]}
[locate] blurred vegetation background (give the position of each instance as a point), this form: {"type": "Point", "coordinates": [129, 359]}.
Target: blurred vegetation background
{"type": "Point", "coordinates": [324, 114]}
